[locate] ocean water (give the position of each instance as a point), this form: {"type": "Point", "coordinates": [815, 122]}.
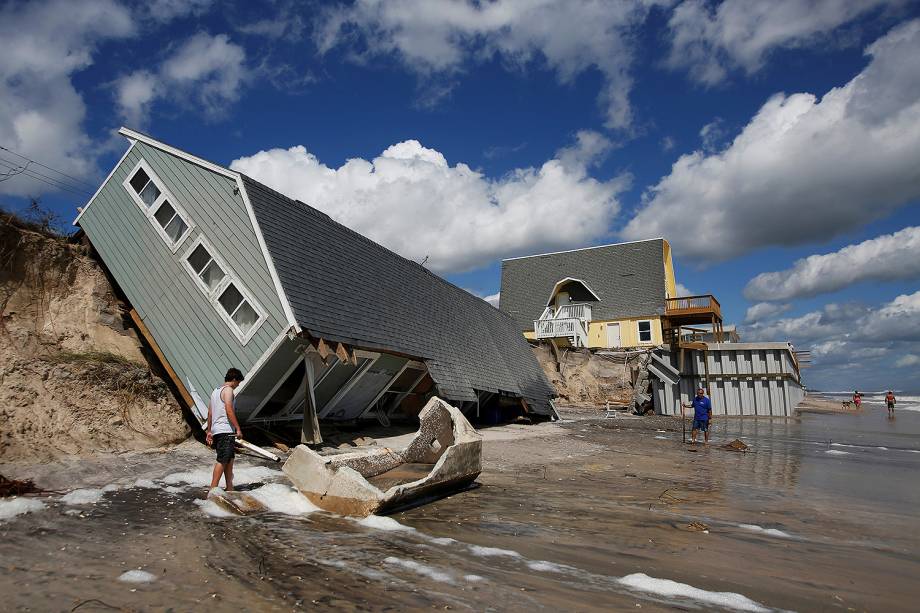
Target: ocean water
{"type": "Point", "coordinates": [906, 401]}
{"type": "Point", "coordinates": [820, 514]}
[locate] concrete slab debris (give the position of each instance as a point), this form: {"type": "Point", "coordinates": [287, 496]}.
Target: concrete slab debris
{"type": "Point", "coordinates": [444, 456]}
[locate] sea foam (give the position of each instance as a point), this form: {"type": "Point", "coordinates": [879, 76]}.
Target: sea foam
{"type": "Point", "coordinates": [767, 531]}
{"type": "Point", "coordinates": [672, 589]}
{"type": "Point", "coordinates": [12, 507]}
{"type": "Point", "coordinates": [241, 476]}
{"type": "Point", "coordinates": [84, 496]}
{"type": "Point", "coordinates": [137, 576]}
{"type": "Point", "coordinates": [488, 552]}
{"type": "Point", "coordinates": [282, 498]}
{"type": "Point", "coordinates": [420, 569]}
{"type": "Point", "coordinates": [378, 522]}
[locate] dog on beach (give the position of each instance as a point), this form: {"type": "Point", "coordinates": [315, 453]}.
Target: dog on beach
{"type": "Point", "coordinates": [847, 404]}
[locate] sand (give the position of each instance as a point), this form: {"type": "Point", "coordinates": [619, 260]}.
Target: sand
{"type": "Point", "coordinates": [587, 514]}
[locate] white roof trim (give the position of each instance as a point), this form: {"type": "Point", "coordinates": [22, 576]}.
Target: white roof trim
{"type": "Point", "coordinates": [285, 304]}
{"type": "Point", "coordinates": [552, 294]}
{"type": "Point", "coordinates": [103, 184]}
{"type": "Point", "coordinates": [537, 255]}
{"type": "Point", "coordinates": [128, 133]}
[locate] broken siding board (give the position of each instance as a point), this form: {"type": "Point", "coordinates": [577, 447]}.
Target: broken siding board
{"type": "Point", "coordinates": [162, 290]}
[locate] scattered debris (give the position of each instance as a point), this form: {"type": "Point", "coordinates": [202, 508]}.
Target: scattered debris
{"type": "Point", "coordinates": [668, 498]}
{"type": "Point", "coordinates": [238, 503]}
{"type": "Point", "coordinates": [445, 455]}
{"type": "Point", "coordinates": [16, 487]}
{"type": "Point", "coordinates": [736, 445]}
{"type": "Point", "coordinates": [696, 526]}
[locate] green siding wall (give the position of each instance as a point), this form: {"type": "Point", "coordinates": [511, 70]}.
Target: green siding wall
{"type": "Point", "coordinates": [196, 341]}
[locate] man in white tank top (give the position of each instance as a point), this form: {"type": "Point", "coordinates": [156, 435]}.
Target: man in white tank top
{"type": "Point", "coordinates": [222, 426]}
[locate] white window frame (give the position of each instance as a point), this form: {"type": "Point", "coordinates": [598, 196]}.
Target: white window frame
{"type": "Point", "coordinates": [151, 211]}
{"type": "Point", "coordinates": [651, 333]}
{"type": "Point", "coordinates": [214, 295]}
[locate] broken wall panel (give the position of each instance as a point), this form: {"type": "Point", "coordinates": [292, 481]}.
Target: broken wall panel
{"type": "Point", "coordinates": [741, 379]}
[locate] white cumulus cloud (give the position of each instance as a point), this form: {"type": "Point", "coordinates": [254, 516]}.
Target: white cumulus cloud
{"type": "Point", "coordinates": [206, 71]}
{"type": "Point", "coordinates": [42, 46]}
{"type": "Point", "coordinates": [167, 10]}
{"type": "Point", "coordinates": [435, 38]}
{"type": "Point", "coordinates": [493, 299]}
{"type": "Point", "coordinates": [874, 329]}
{"type": "Point", "coordinates": [765, 310]}
{"type": "Point", "coordinates": [710, 39]}
{"type": "Point", "coordinates": [803, 168]}
{"type": "Point", "coordinates": [908, 360]}
{"type": "Point", "coordinates": [885, 258]}
{"type": "Point", "coordinates": [410, 199]}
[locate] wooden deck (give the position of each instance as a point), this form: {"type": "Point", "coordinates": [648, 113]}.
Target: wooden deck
{"type": "Point", "coordinates": [691, 306]}
{"type": "Point", "coordinates": [690, 311]}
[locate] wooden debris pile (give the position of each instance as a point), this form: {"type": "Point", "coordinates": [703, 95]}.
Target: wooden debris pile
{"type": "Point", "coordinates": [736, 445]}
{"type": "Point", "coordinates": [15, 487]}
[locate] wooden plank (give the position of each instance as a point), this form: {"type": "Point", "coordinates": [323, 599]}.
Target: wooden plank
{"type": "Point", "coordinates": [148, 338]}
{"type": "Point", "coordinates": [341, 352]}
{"type": "Point", "coordinates": [323, 350]}
{"type": "Point", "coordinates": [309, 431]}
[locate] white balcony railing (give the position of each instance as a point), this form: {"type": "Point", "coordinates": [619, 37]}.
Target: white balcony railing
{"type": "Point", "coordinates": [574, 311]}
{"type": "Point", "coordinates": [568, 321]}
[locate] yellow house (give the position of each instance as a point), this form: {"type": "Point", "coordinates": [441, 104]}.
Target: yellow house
{"type": "Point", "coordinates": [609, 296]}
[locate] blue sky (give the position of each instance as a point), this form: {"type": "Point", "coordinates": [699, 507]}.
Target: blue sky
{"type": "Point", "coordinates": [749, 134]}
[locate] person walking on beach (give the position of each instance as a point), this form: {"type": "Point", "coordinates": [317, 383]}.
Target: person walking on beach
{"type": "Point", "coordinates": [889, 402]}
{"type": "Point", "coordinates": [702, 413]}
{"type": "Point", "coordinates": [857, 399]}
{"type": "Point", "coordinates": [223, 428]}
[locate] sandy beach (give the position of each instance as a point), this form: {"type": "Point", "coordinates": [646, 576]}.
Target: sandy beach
{"type": "Point", "coordinates": [585, 514]}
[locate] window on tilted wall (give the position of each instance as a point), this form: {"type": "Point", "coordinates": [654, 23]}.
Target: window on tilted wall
{"type": "Point", "coordinates": [645, 331]}
{"type": "Point", "coordinates": [226, 293]}
{"type": "Point", "coordinates": [239, 310]}
{"type": "Point", "coordinates": [205, 267]}
{"type": "Point", "coordinates": [150, 195]}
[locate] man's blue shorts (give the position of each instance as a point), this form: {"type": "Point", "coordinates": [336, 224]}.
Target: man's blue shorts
{"type": "Point", "coordinates": [701, 424]}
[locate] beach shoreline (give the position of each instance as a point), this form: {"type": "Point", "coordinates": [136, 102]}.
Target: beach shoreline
{"type": "Point", "coordinates": [564, 514]}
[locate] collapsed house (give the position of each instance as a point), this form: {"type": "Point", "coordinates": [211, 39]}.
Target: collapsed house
{"type": "Point", "coordinates": [622, 299]}
{"type": "Point", "coordinates": [222, 271]}
{"type": "Point", "coordinates": [611, 296]}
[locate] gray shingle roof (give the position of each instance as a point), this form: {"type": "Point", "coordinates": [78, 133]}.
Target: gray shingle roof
{"type": "Point", "coordinates": [627, 277]}
{"type": "Point", "coordinates": [344, 287]}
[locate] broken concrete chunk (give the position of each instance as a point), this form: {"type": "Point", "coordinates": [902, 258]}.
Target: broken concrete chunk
{"type": "Point", "coordinates": [239, 503]}
{"type": "Point", "coordinates": [444, 456]}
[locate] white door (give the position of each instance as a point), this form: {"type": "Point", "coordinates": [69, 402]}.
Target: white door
{"type": "Point", "coordinates": [613, 335]}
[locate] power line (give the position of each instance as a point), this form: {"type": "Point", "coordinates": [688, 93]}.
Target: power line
{"type": "Point", "coordinates": [76, 180]}
{"type": "Point", "coordinates": [52, 181]}
{"type": "Point", "coordinates": [34, 174]}
{"type": "Point", "coordinates": [13, 172]}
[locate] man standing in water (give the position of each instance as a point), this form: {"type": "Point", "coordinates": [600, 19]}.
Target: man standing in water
{"type": "Point", "coordinates": [889, 402]}
{"type": "Point", "coordinates": [702, 413]}
{"type": "Point", "coordinates": [222, 426]}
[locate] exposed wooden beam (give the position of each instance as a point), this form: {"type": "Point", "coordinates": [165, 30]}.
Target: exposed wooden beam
{"type": "Point", "coordinates": [309, 431]}
{"type": "Point", "coordinates": [341, 352]}
{"type": "Point", "coordinates": [323, 350]}
{"type": "Point", "coordinates": [148, 338]}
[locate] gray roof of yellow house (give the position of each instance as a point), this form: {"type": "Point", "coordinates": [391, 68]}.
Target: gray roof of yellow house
{"type": "Point", "coordinates": [344, 287]}
{"type": "Point", "coordinates": [628, 278]}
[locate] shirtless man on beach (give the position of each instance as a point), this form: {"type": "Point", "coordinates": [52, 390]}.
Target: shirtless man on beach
{"type": "Point", "coordinates": [702, 413]}
{"type": "Point", "coordinates": [222, 426]}
{"type": "Point", "coordinates": [890, 402]}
